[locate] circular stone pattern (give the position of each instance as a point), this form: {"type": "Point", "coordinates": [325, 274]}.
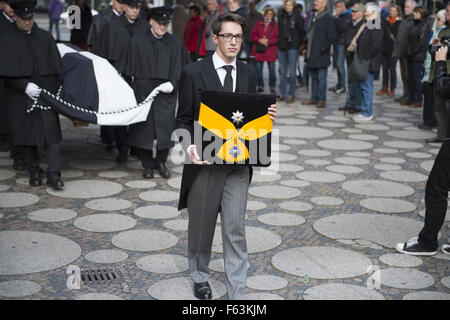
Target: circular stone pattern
{"type": "Point", "coordinates": [163, 263]}
{"type": "Point", "coordinates": [157, 212]}
{"type": "Point", "coordinates": [17, 199]}
{"type": "Point", "coordinates": [446, 282]}
{"type": "Point", "coordinates": [314, 153]}
{"type": "Point", "coordinates": [18, 288]}
{"type": "Point", "coordinates": [352, 161]}
{"type": "Point", "coordinates": [177, 224]}
{"type": "Point", "coordinates": [26, 252]}
{"type": "Point", "coordinates": [266, 282]}
{"type": "Point", "coordinates": [144, 240]}
{"type": "Point", "coordinates": [427, 295]}
{"type": "Point", "coordinates": [381, 229]}
{"type": "Point", "coordinates": [258, 240]}
{"type": "Point", "coordinates": [403, 144]}
{"type": "Point", "coordinates": [344, 169]}
{"type": "Point", "coordinates": [400, 260]}
{"type": "Point", "coordinates": [52, 215]}
{"type": "Point", "coordinates": [295, 183]}
{"type": "Point", "coordinates": [378, 188]}
{"type": "Point", "coordinates": [344, 144]}
{"type": "Point", "coordinates": [274, 192]}
{"type": "Point", "coordinates": [327, 201]}
{"type": "Point", "coordinates": [92, 164]}
{"type": "Point", "coordinates": [182, 289]}
{"type": "Point", "coordinates": [98, 296]}
{"type": "Point", "coordinates": [108, 204]}
{"type": "Point", "coordinates": [405, 278]}
{"type": "Point", "coordinates": [159, 196]}
{"type": "Point", "coordinates": [105, 222]}
{"type": "Point", "coordinates": [304, 132]}
{"type": "Point", "coordinates": [113, 174]}
{"type": "Point", "coordinates": [140, 184]}
{"type": "Point", "coordinates": [340, 291]}
{"type": "Point", "coordinates": [255, 205]}
{"type": "Point", "coordinates": [410, 134]}
{"type": "Point", "coordinates": [281, 219]}
{"type": "Point", "coordinates": [404, 176]}
{"type": "Point", "coordinates": [295, 206]}
{"type": "Point", "coordinates": [320, 176]}
{"type": "Point", "coordinates": [106, 256]}
{"type": "Point", "coordinates": [6, 174]}
{"type": "Point", "coordinates": [321, 262]}
{"type": "Point", "coordinates": [262, 296]}
{"type": "Point", "coordinates": [387, 205]}
{"type": "Point", "coordinates": [87, 189]}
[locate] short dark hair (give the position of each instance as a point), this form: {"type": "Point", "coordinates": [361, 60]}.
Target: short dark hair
{"type": "Point", "coordinates": [227, 17]}
{"type": "Point", "coordinates": [195, 8]}
{"type": "Point", "coordinates": [422, 10]}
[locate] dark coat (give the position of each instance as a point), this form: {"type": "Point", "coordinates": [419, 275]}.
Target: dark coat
{"type": "Point", "coordinates": [98, 21]}
{"type": "Point", "coordinates": [39, 127]}
{"type": "Point", "coordinates": [388, 42]}
{"type": "Point", "coordinates": [442, 80]}
{"type": "Point", "coordinates": [321, 35]}
{"type": "Point", "coordinates": [79, 37]}
{"type": "Point", "coordinates": [291, 30]}
{"type": "Point", "coordinates": [369, 47]}
{"type": "Point", "coordinates": [349, 35]}
{"type": "Point", "coordinates": [417, 40]}
{"type": "Point", "coordinates": [152, 62]}
{"type": "Point", "coordinates": [5, 26]}
{"type": "Point", "coordinates": [402, 38]}
{"type": "Point", "coordinates": [342, 22]}
{"type": "Point", "coordinates": [194, 77]}
{"type": "Point", "coordinates": [252, 19]}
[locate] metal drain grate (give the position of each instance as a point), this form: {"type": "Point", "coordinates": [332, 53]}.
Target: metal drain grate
{"type": "Point", "coordinates": [100, 276]}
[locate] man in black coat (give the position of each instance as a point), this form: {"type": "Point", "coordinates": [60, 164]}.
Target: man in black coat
{"type": "Point", "coordinates": [113, 40]}
{"type": "Point", "coordinates": [32, 62]}
{"type": "Point", "coordinates": [206, 189]}
{"type": "Point", "coordinates": [7, 23]}
{"type": "Point", "coordinates": [152, 59]}
{"type": "Point", "coordinates": [321, 35]}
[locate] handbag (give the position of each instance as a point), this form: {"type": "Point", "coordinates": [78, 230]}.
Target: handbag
{"type": "Point", "coordinates": [359, 69]}
{"type": "Point", "coordinates": [260, 48]}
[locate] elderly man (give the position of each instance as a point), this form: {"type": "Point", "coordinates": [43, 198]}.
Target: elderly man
{"type": "Point", "coordinates": [321, 35]}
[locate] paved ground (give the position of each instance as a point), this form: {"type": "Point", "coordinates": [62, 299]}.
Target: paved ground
{"type": "Point", "coordinates": [322, 223]}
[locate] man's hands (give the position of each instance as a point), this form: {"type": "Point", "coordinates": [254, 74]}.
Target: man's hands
{"type": "Point", "coordinates": [441, 54]}
{"type": "Point", "coordinates": [32, 90]}
{"type": "Point", "coordinates": [195, 159]}
{"type": "Point", "coordinates": [272, 111]}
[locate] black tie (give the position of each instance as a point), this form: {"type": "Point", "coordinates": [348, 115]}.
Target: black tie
{"type": "Point", "coordinates": [228, 83]}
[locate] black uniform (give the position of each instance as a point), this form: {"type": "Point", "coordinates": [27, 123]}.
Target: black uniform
{"type": "Point", "coordinates": [111, 43]}
{"type": "Point", "coordinates": [5, 132]}
{"type": "Point", "coordinates": [152, 61]}
{"type": "Point", "coordinates": [32, 57]}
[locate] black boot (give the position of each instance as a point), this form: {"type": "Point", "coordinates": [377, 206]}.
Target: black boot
{"type": "Point", "coordinates": [54, 180]}
{"type": "Point", "coordinates": [35, 178]}
{"type": "Point", "coordinates": [163, 171]}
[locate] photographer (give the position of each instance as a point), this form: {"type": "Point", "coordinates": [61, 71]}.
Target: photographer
{"type": "Point", "coordinates": [438, 183]}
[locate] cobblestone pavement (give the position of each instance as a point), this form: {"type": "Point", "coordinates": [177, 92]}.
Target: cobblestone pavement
{"type": "Point", "coordinates": [323, 224]}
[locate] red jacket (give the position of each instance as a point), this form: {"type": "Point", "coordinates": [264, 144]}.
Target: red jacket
{"type": "Point", "coordinates": [191, 33]}
{"type": "Point", "coordinates": [260, 31]}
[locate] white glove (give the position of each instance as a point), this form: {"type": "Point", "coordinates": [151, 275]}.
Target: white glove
{"type": "Point", "coordinates": [166, 87]}
{"type": "Point", "coordinates": [32, 90]}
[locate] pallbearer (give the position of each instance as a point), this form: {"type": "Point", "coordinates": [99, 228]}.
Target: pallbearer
{"type": "Point", "coordinates": [32, 62]}
{"type": "Point", "coordinates": [152, 59]}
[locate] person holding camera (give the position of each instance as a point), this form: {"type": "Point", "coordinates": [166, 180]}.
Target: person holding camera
{"type": "Point", "coordinates": [438, 183]}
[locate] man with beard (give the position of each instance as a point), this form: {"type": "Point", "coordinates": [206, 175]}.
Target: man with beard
{"type": "Point", "coordinates": [35, 51]}
{"type": "Point", "coordinates": [114, 38]}
{"type": "Point", "coordinates": [152, 59]}
{"type": "Point", "coordinates": [6, 24]}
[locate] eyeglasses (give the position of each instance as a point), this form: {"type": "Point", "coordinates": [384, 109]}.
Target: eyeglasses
{"type": "Point", "coordinates": [228, 37]}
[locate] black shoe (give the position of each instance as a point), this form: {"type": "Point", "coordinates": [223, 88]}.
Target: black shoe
{"type": "Point", "coordinates": [163, 171]}
{"type": "Point", "coordinates": [260, 90]}
{"type": "Point", "coordinates": [434, 140]}
{"type": "Point", "coordinates": [122, 157]}
{"type": "Point", "coordinates": [35, 178]}
{"type": "Point", "coordinates": [54, 181]}
{"type": "Point", "coordinates": [424, 127]}
{"type": "Point", "coordinates": [344, 108]}
{"type": "Point", "coordinates": [19, 165]}
{"type": "Point", "coordinates": [202, 291]}
{"type": "Point", "coordinates": [333, 89]}
{"type": "Point", "coordinates": [109, 146]}
{"type": "Point", "coordinates": [340, 90]}
{"type": "Point", "coordinates": [353, 110]}
{"type": "Point", "coordinates": [148, 173]}
{"type": "Point", "coordinates": [412, 247]}
{"type": "Point", "coordinates": [445, 248]}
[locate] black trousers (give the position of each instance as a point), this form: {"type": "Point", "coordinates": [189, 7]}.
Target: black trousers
{"type": "Point", "coordinates": [31, 157]}
{"type": "Point", "coordinates": [147, 160]}
{"type": "Point", "coordinates": [429, 119]}
{"type": "Point", "coordinates": [436, 194]}
{"type": "Point", "coordinates": [115, 135]}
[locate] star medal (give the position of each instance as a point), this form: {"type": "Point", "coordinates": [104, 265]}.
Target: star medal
{"type": "Point", "coordinates": [237, 117]}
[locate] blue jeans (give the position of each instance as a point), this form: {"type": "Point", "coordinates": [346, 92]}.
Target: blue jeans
{"type": "Point", "coordinates": [55, 22]}
{"type": "Point", "coordinates": [318, 84]}
{"type": "Point", "coordinates": [288, 61]}
{"type": "Point", "coordinates": [366, 87]}
{"type": "Point", "coordinates": [354, 93]}
{"type": "Point", "coordinates": [340, 64]}
{"type": "Point", "coordinates": [272, 76]}
{"type": "Point", "coordinates": [415, 69]}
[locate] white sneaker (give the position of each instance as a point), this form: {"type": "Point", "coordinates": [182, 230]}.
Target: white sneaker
{"type": "Point", "coordinates": [361, 117]}
{"type": "Point", "coordinates": [445, 248]}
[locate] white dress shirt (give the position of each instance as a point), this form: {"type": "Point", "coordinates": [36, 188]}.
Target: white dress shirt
{"type": "Point", "coordinates": [221, 72]}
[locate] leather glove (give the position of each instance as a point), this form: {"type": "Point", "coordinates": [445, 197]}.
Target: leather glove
{"type": "Point", "coordinates": [32, 90]}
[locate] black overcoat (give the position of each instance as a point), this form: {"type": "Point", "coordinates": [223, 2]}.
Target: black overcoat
{"type": "Point", "coordinates": [322, 33]}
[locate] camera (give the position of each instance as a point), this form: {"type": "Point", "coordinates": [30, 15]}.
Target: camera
{"type": "Point", "coordinates": [433, 48]}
